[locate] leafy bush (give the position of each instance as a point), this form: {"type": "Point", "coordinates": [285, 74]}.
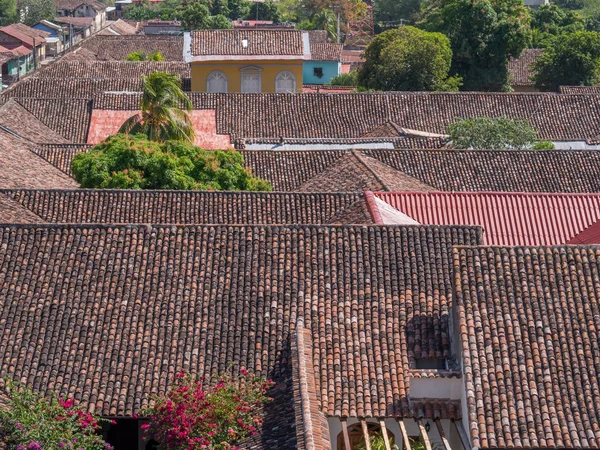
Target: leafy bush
{"type": "Point", "coordinates": [134, 162]}
{"type": "Point", "coordinates": [408, 59]}
{"type": "Point", "coordinates": [495, 133]}
{"type": "Point", "coordinates": [33, 422]}
{"type": "Point", "coordinates": [211, 414]}
{"type": "Point", "coordinates": [345, 79]}
{"type": "Point", "coordinates": [569, 59]}
{"type": "Point", "coordinates": [378, 443]}
{"type": "Point", "coordinates": [141, 56]}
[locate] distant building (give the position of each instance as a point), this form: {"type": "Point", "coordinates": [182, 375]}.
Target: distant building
{"type": "Point", "coordinates": [57, 38]}
{"type": "Point", "coordinates": [262, 25]}
{"type": "Point", "coordinates": [521, 70]}
{"type": "Point", "coordinates": [536, 2]}
{"type": "Point", "coordinates": [83, 8]}
{"type": "Point", "coordinates": [79, 27]}
{"type": "Point", "coordinates": [24, 46]}
{"type": "Point", "coordinates": [255, 60]}
{"type": "Point", "coordinates": [162, 27]}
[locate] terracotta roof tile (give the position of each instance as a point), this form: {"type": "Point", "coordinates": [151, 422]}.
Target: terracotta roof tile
{"type": "Point", "coordinates": [528, 319]}
{"type": "Point", "coordinates": [65, 87]}
{"type": "Point", "coordinates": [112, 69]}
{"type": "Point", "coordinates": [24, 123]}
{"type": "Point", "coordinates": [69, 117]}
{"type": "Point", "coordinates": [521, 69]}
{"type": "Point", "coordinates": [70, 5]}
{"type": "Point", "coordinates": [190, 207]}
{"type": "Point", "coordinates": [12, 212]}
{"type": "Point", "coordinates": [258, 42]}
{"type": "Point", "coordinates": [579, 90]}
{"type": "Point", "coordinates": [326, 51]}
{"type": "Point", "coordinates": [202, 297]}
{"type": "Point", "coordinates": [116, 48]}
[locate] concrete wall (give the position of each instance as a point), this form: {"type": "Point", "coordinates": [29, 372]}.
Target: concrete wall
{"type": "Point", "coordinates": [330, 69]}
{"type": "Point", "coordinates": [232, 69]}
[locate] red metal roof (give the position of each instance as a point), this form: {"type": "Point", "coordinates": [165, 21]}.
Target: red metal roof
{"type": "Point", "coordinates": [507, 218]}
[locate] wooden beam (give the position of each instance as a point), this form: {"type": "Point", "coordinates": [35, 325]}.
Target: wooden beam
{"type": "Point", "coordinates": [440, 429]}
{"type": "Point", "coordinates": [384, 433]}
{"type": "Point", "coordinates": [426, 442]}
{"type": "Point", "coordinates": [464, 439]}
{"type": "Point", "coordinates": [366, 434]}
{"type": "Point", "coordinates": [405, 438]}
{"type": "Point", "coordinates": [346, 435]}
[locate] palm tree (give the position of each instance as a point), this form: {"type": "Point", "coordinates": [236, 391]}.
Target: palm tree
{"type": "Point", "coordinates": [162, 117]}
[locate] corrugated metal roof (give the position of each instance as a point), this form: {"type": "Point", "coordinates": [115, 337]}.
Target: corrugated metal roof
{"type": "Point", "coordinates": [507, 218]}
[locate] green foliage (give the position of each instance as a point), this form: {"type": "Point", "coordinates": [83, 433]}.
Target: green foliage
{"type": "Point", "coordinates": [570, 4]}
{"type": "Point", "coordinates": [323, 20]}
{"type": "Point", "coordinates": [32, 11]}
{"type": "Point", "coordinates": [8, 12]}
{"type": "Point", "coordinates": [196, 15]}
{"type": "Point", "coordinates": [136, 56]}
{"type": "Point", "coordinates": [345, 79]}
{"type": "Point", "coordinates": [543, 145]}
{"type": "Point", "coordinates": [239, 9]}
{"type": "Point", "coordinates": [30, 421]}
{"type": "Point", "coordinates": [140, 13]}
{"type": "Point", "coordinates": [492, 133]}
{"type": "Point", "coordinates": [408, 59]}
{"type": "Point", "coordinates": [265, 11]}
{"type": "Point", "coordinates": [394, 10]}
{"type": "Point", "coordinates": [378, 443]}
{"type": "Point", "coordinates": [161, 117]}
{"type": "Point", "coordinates": [569, 59]}
{"type": "Point", "coordinates": [290, 10]}
{"type": "Point", "coordinates": [134, 162]}
{"type": "Point", "coordinates": [551, 20]}
{"type": "Point", "coordinates": [484, 35]}
{"type": "Point", "coordinates": [156, 56]}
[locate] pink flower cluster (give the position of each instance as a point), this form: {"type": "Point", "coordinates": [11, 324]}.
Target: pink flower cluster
{"type": "Point", "coordinates": [208, 414]}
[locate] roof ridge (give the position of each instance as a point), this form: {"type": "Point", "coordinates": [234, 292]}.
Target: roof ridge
{"type": "Point", "coordinates": [357, 154]}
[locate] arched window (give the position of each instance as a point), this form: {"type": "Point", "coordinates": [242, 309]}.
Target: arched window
{"type": "Point", "coordinates": [216, 82]}
{"type": "Point", "coordinates": [285, 82]}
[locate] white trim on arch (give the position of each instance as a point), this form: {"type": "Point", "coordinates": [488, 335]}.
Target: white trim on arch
{"type": "Point", "coordinates": [285, 82]}
{"type": "Point", "coordinates": [216, 81]}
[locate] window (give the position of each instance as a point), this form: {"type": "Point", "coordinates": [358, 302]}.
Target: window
{"type": "Point", "coordinates": [318, 72]}
{"type": "Point", "coordinates": [285, 82]}
{"type": "Point", "coordinates": [251, 79]}
{"type": "Point", "coordinates": [216, 82]}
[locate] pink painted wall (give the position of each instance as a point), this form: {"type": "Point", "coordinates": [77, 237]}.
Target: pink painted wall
{"type": "Point", "coordinates": [107, 122]}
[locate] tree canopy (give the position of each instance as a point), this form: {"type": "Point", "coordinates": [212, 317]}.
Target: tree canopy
{"type": "Point", "coordinates": [571, 59]}
{"type": "Point", "coordinates": [394, 10]}
{"type": "Point", "coordinates": [162, 117]}
{"type": "Point", "coordinates": [408, 59]}
{"type": "Point", "coordinates": [197, 15]}
{"type": "Point", "coordinates": [551, 20]}
{"type": "Point", "coordinates": [484, 35]}
{"type": "Point", "coordinates": [32, 11]}
{"type": "Point", "coordinates": [8, 12]}
{"type": "Point", "coordinates": [495, 133]}
{"type": "Point", "coordinates": [141, 56]}
{"type": "Point", "coordinates": [134, 162]}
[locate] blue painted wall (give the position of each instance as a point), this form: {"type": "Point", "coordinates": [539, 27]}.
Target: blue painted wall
{"type": "Point", "coordinates": [330, 70]}
{"type": "Point", "coordinates": [41, 26]}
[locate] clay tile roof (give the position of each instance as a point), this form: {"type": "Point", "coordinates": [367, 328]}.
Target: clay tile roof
{"type": "Point", "coordinates": [507, 218]}
{"type": "Point", "coordinates": [76, 21]}
{"type": "Point", "coordinates": [65, 87]}
{"type": "Point", "coordinates": [69, 117]}
{"type": "Point", "coordinates": [32, 32]}
{"type": "Point", "coordinates": [70, 5]}
{"type": "Point", "coordinates": [116, 48]}
{"type": "Point", "coordinates": [497, 170]}
{"type": "Point", "coordinates": [191, 207]}
{"type": "Point", "coordinates": [111, 69]}
{"type": "Point", "coordinates": [122, 28]}
{"type": "Point", "coordinates": [326, 51]}
{"type": "Point", "coordinates": [13, 212]}
{"type": "Point", "coordinates": [258, 43]}
{"type": "Point", "coordinates": [528, 319]}
{"type": "Point", "coordinates": [21, 168]}
{"type": "Point", "coordinates": [578, 90]}
{"type": "Point", "coordinates": [17, 33]}
{"type": "Point", "coordinates": [200, 298]}
{"type": "Point", "coordinates": [521, 69]}
{"type": "Point", "coordinates": [25, 124]}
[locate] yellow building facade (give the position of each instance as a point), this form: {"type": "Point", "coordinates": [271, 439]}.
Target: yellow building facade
{"type": "Point", "coordinates": [249, 61]}
{"type": "Point", "coordinates": [247, 76]}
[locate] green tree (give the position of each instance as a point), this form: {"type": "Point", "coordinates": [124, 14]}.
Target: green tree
{"type": "Point", "coordinates": [394, 10]}
{"type": "Point", "coordinates": [134, 162]}
{"type": "Point", "coordinates": [8, 12]}
{"type": "Point", "coordinates": [156, 56]}
{"type": "Point", "coordinates": [161, 117]}
{"type": "Point", "coordinates": [140, 13]}
{"type": "Point", "coordinates": [484, 35]}
{"type": "Point", "coordinates": [194, 16]}
{"type": "Point", "coordinates": [345, 79]}
{"type": "Point", "coordinates": [493, 133]}
{"type": "Point", "coordinates": [408, 59]}
{"type": "Point", "coordinates": [219, 22]}
{"type": "Point", "coordinates": [220, 7]}
{"type": "Point", "coordinates": [571, 59]}
{"type": "Point", "coordinates": [570, 4]}
{"type": "Point", "coordinates": [326, 19]}
{"type": "Point", "coordinates": [551, 20]}
{"type": "Point", "coordinates": [32, 11]}
{"type": "Point", "coordinates": [265, 11]}
{"type": "Point", "coordinates": [136, 56]}
{"type": "Point", "coordinates": [239, 9]}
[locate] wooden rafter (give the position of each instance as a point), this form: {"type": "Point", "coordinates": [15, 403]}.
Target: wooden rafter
{"type": "Point", "coordinates": [366, 434]}
{"type": "Point", "coordinates": [464, 439]}
{"type": "Point", "coordinates": [405, 438]}
{"type": "Point", "coordinates": [424, 435]}
{"type": "Point", "coordinates": [346, 435]}
{"type": "Point", "coordinates": [384, 433]}
{"type": "Point", "coordinates": [440, 429]}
